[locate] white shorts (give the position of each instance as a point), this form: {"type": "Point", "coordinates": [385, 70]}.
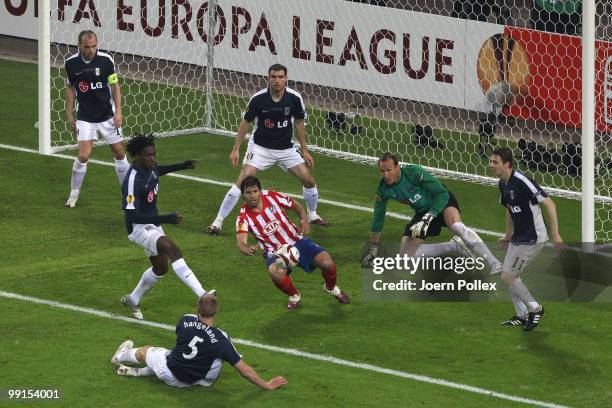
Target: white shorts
{"type": "Point", "coordinates": [156, 360]}
{"type": "Point", "coordinates": [89, 131]}
{"type": "Point", "coordinates": [519, 256]}
{"type": "Point", "coordinates": [263, 158]}
{"type": "Point", "coordinates": [146, 235]}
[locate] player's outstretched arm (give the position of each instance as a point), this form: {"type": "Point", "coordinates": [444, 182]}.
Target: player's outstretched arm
{"type": "Point", "coordinates": [187, 164]}
{"type": "Point", "coordinates": [250, 374]}
{"type": "Point", "coordinates": [243, 244]}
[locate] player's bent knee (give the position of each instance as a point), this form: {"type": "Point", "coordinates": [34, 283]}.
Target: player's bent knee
{"type": "Point", "coordinates": [276, 272]}
{"type": "Point", "coordinates": [309, 181]}
{"type": "Point", "coordinates": [324, 261]}
{"type": "Point", "coordinates": [166, 247]}
{"type": "Point", "coordinates": [327, 265]}
{"type": "Point", "coordinates": [160, 266]}
{"type": "Point", "coordinates": [141, 354]}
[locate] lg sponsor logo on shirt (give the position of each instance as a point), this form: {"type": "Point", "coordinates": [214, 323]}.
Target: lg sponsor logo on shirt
{"type": "Point", "coordinates": [85, 86]}
{"type": "Point", "coordinates": [270, 124]}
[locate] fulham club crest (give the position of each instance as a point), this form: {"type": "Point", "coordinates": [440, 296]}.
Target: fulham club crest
{"type": "Point", "coordinates": [97, 71]}
{"type": "Point", "coordinates": [287, 110]}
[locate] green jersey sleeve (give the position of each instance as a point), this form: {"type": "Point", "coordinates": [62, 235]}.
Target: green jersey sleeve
{"type": "Point", "coordinates": [380, 209]}
{"type": "Point", "coordinates": [439, 193]}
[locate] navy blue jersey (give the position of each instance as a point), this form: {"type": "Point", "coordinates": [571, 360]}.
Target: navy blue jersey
{"type": "Point", "coordinates": [200, 351]}
{"type": "Point", "coordinates": [522, 197]}
{"type": "Point", "coordinates": [91, 79]}
{"type": "Point", "coordinates": [139, 195]}
{"type": "Point", "coordinates": [274, 125]}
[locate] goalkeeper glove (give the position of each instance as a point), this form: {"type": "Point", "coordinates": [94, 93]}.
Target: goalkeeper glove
{"type": "Point", "coordinates": [370, 255]}
{"type": "Point", "coordinates": [419, 230]}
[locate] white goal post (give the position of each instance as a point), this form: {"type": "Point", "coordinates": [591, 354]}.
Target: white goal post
{"type": "Point", "coordinates": [439, 86]}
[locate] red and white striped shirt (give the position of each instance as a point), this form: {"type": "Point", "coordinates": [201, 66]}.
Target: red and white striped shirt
{"type": "Point", "coordinates": [271, 227]}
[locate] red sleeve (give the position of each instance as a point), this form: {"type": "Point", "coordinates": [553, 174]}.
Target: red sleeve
{"type": "Point", "coordinates": [242, 226]}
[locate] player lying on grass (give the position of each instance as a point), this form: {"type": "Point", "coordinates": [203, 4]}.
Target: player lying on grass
{"type": "Point", "coordinates": [263, 215]}
{"type": "Point", "coordinates": [143, 221]}
{"type": "Point", "coordinates": [526, 233]}
{"type": "Point", "coordinates": [197, 357]}
{"type": "Point", "coordinates": [434, 207]}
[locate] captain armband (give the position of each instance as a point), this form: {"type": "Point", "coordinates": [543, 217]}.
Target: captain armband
{"type": "Point", "coordinates": [113, 79]}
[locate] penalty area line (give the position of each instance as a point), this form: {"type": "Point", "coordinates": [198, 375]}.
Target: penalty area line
{"type": "Point", "coordinates": [334, 203]}
{"type": "Point", "coordinates": [293, 352]}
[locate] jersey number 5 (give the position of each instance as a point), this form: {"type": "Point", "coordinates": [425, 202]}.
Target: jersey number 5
{"type": "Point", "coordinates": [193, 347]}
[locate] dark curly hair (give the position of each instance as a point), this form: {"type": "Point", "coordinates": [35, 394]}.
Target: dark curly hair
{"type": "Point", "coordinates": [139, 142]}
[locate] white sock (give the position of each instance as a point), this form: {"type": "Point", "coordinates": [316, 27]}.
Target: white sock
{"type": "Point", "coordinates": [433, 250]}
{"type": "Point", "coordinates": [311, 196]}
{"type": "Point", "coordinates": [228, 204]}
{"type": "Point", "coordinates": [519, 306]}
{"type": "Point", "coordinates": [519, 289]}
{"type": "Point", "coordinates": [147, 281]}
{"type": "Point", "coordinates": [187, 276]}
{"type": "Point", "coordinates": [128, 356]}
{"type": "Point", "coordinates": [78, 174]}
{"type": "Point", "coordinates": [144, 372]}
{"type": "Point", "coordinates": [121, 167]}
{"type": "Point", "coordinates": [473, 241]}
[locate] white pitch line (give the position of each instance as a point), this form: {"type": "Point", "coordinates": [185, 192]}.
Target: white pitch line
{"type": "Point", "coordinates": [293, 352]}
{"type": "Point", "coordinates": [228, 184]}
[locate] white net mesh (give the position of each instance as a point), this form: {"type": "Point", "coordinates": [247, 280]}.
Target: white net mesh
{"type": "Point", "coordinates": [162, 85]}
{"type": "Point", "coordinates": [439, 82]}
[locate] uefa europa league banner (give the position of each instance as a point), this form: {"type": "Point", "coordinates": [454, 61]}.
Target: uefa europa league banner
{"type": "Point", "coordinates": [384, 51]}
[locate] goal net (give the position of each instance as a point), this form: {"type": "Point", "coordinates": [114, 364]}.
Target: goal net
{"type": "Point", "coordinates": [439, 82]}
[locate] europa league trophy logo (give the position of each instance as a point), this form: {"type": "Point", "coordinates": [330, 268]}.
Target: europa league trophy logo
{"type": "Point", "coordinates": [503, 71]}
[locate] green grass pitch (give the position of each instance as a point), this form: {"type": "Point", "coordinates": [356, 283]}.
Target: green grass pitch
{"type": "Point", "coordinates": [82, 257]}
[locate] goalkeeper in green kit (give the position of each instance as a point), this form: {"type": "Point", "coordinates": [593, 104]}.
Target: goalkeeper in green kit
{"type": "Point", "coordinates": [434, 207]}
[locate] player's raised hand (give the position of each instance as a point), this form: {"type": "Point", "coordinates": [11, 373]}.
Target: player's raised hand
{"type": "Point", "coordinates": [277, 382]}
{"type": "Point", "coordinates": [305, 226]}
{"type": "Point", "coordinates": [117, 120]}
{"type": "Point", "coordinates": [308, 159]}
{"type": "Point", "coordinates": [191, 164]}
{"type": "Point", "coordinates": [234, 157]}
